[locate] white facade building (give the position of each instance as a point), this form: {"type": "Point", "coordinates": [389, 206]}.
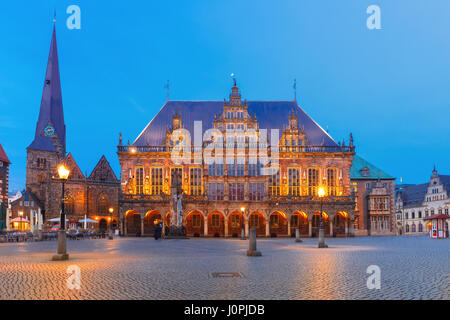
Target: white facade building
{"type": "Point", "coordinates": [416, 202]}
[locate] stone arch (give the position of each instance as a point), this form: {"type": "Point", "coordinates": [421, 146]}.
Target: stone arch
{"type": "Point", "coordinates": [216, 224]}
{"type": "Point", "coordinates": [195, 223]}
{"type": "Point", "coordinates": [315, 220]}
{"type": "Point", "coordinates": [278, 223]}
{"type": "Point", "coordinates": [340, 223]}
{"type": "Point", "coordinates": [258, 221]}
{"type": "Point", "coordinates": [299, 219]}
{"type": "Point", "coordinates": [133, 223]}
{"type": "Point", "coordinates": [235, 223]}
{"type": "Point", "coordinates": [151, 219]}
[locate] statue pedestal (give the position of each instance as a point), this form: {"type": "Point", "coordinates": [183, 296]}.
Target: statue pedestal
{"type": "Point", "coordinates": [174, 232]}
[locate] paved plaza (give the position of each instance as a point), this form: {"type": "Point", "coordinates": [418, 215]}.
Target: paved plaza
{"type": "Point", "coordinates": [142, 268]}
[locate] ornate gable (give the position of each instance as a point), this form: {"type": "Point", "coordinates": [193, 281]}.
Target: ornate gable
{"type": "Point", "coordinates": [75, 172]}
{"type": "Point", "coordinates": [103, 171]}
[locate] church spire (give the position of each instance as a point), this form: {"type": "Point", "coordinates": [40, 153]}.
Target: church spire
{"type": "Point", "coordinates": [50, 132]}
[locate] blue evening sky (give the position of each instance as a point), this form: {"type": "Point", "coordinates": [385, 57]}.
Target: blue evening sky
{"type": "Point", "coordinates": [389, 87]}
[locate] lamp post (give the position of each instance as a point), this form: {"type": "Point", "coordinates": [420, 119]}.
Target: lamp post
{"type": "Point", "coordinates": [322, 244]}
{"type": "Point", "coordinates": [61, 253]}
{"type": "Point", "coordinates": [111, 210]}
{"type": "Point", "coordinates": [242, 224]}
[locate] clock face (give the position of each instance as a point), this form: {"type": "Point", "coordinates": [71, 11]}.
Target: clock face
{"type": "Point", "coordinates": [49, 131]}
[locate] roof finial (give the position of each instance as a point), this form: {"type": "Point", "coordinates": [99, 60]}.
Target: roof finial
{"type": "Point", "coordinates": [54, 15]}
{"type": "Point", "coordinates": [167, 87]}
{"type": "Point", "coordinates": [295, 89]}
{"type": "Point", "coordinates": [434, 170]}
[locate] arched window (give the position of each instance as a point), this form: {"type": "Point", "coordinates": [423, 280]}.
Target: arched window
{"type": "Point", "coordinates": [102, 204]}
{"type": "Point", "coordinates": [413, 228]}
{"type": "Point", "coordinates": [420, 227]}
{"type": "Point", "coordinates": [69, 204]}
{"type": "Point", "coordinates": [407, 228]}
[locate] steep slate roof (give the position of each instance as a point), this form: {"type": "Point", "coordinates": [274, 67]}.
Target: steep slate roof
{"type": "Point", "coordinates": [374, 172]}
{"type": "Point", "coordinates": [3, 156]}
{"type": "Point", "coordinates": [51, 110]}
{"type": "Point", "coordinates": [413, 195]}
{"type": "Point", "coordinates": [269, 114]}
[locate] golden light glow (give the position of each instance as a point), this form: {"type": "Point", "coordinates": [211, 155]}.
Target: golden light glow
{"type": "Point", "coordinates": [133, 150]}
{"type": "Point", "coordinates": [321, 192]}
{"type": "Point", "coordinates": [20, 213]}
{"type": "Point", "coordinates": [242, 209]}
{"type": "Point", "coordinates": [111, 210]}
{"type": "Point", "coordinates": [63, 172]}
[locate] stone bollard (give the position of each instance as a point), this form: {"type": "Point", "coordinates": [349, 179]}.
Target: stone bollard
{"type": "Point", "coordinates": [252, 244]}
{"type": "Point", "coordinates": [322, 239]}
{"type": "Point", "coordinates": [297, 235]}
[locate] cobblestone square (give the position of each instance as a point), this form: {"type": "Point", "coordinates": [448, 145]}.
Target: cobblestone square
{"type": "Point", "coordinates": [142, 268]}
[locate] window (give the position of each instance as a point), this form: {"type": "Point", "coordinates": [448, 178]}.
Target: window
{"type": "Point", "coordinates": [157, 181]}
{"type": "Point", "coordinates": [240, 127]}
{"type": "Point", "coordinates": [232, 169]}
{"type": "Point", "coordinates": [313, 181]}
{"type": "Point", "coordinates": [235, 221]}
{"type": "Point", "coordinates": [236, 191]}
{"type": "Point", "coordinates": [255, 169]}
{"type": "Point", "coordinates": [215, 192]}
{"type": "Point", "coordinates": [446, 211]}
{"type": "Point", "coordinates": [102, 205]}
{"type": "Point", "coordinates": [420, 227]}
{"type": "Point", "coordinates": [196, 220]}
{"type": "Point", "coordinates": [274, 184]}
{"type": "Point", "coordinates": [176, 172]}
{"type": "Point", "coordinates": [215, 220]}
{"type": "Point", "coordinates": [294, 182]}
{"type": "Point", "coordinates": [240, 170]}
{"type": "Point", "coordinates": [420, 214]}
{"type": "Point", "coordinates": [254, 221]}
{"type": "Point", "coordinates": [406, 215]}
{"type": "Point", "coordinates": [230, 126]}
{"type": "Point", "coordinates": [215, 169]}
{"type": "Point", "coordinates": [256, 191]}
{"type": "Point", "coordinates": [195, 183]}
{"type": "Point", "coordinates": [274, 221]}
{"type": "Point", "coordinates": [331, 181]}
{"type": "Point", "coordinates": [41, 163]}
{"type": "Point", "coordinates": [367, 186]}
{"type": "Point", "coordinates": [140, 180]}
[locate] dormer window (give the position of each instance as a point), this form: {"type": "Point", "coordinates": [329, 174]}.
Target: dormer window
{"type": "Point", "coordinates": [365, 172]}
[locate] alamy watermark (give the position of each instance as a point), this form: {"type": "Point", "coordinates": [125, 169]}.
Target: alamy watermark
{"type": "Point", "coordinates": [74, 280]}
{"type": "Point", "coordinates": [374, 280]}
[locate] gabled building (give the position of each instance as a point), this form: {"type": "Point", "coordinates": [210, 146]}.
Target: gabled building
{"type": "Point", "coordinates": [4, 176]}
{"type": "Point", "coordinates": [93, 195]}
{"type": "Point", "coordinates": [4, 184]}
{"type": "Point", "coordinates": [414, 203]}
{"type": "Point", "coordinates": [233, 176]}
{"type": "Point", "coordinates": [375, 201]}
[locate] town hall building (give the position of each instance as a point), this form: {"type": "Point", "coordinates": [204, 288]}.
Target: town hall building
{"type": "Point", "coordinates": [225, 189]}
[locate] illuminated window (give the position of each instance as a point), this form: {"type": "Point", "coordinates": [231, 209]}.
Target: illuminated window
{"type": "Point", "coordinates": [313, 181]}
{"type": "Point", "coordinates": [139, 180]}
{"type": "Point", "coordinates": [274, 184]}
{"type": "Point", "coordinates": [195, 181]}
{"type": "Point", "coordinates": [274, 220]}
{"type": "Point", "coordinates": [41, 163]}
{"type": "Point", "coordinates": [331, 181]}
{"type": "Point", "coordinates": [254, 221]}
{"type": "Point", "coordinates": [157, 181]}
{"type": "Point", "coordinates": [235, 221]}
{"type": "Point", "coordinates": [294, 182]}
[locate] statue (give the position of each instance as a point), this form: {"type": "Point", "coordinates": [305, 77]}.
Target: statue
{"type": "Point", "coordinates": [176, 224]}
{"type": "Point", "coordinates": [120, 138]}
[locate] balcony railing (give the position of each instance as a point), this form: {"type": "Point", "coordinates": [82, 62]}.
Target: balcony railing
{"type": "Point", "coordinates": [330, 149]}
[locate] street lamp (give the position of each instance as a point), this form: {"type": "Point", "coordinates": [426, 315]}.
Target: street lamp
{"type": "Point", "coordinates": [242, 224]}
{"type": "Point", "coordinates": [110, 236]}
{"type": "Point", "coordinates": [322, 244]}
{"type": "Point", "coordinates": [62, 254]}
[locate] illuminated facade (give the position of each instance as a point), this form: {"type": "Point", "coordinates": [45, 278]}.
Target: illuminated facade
{"type": "Point", "coordinates": [224, 156]}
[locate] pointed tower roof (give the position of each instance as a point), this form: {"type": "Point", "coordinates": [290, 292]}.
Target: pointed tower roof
{"type": "Point", "coordinates": [3, 156]}
{"type": "Point", "coordinates": [50, 132]}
